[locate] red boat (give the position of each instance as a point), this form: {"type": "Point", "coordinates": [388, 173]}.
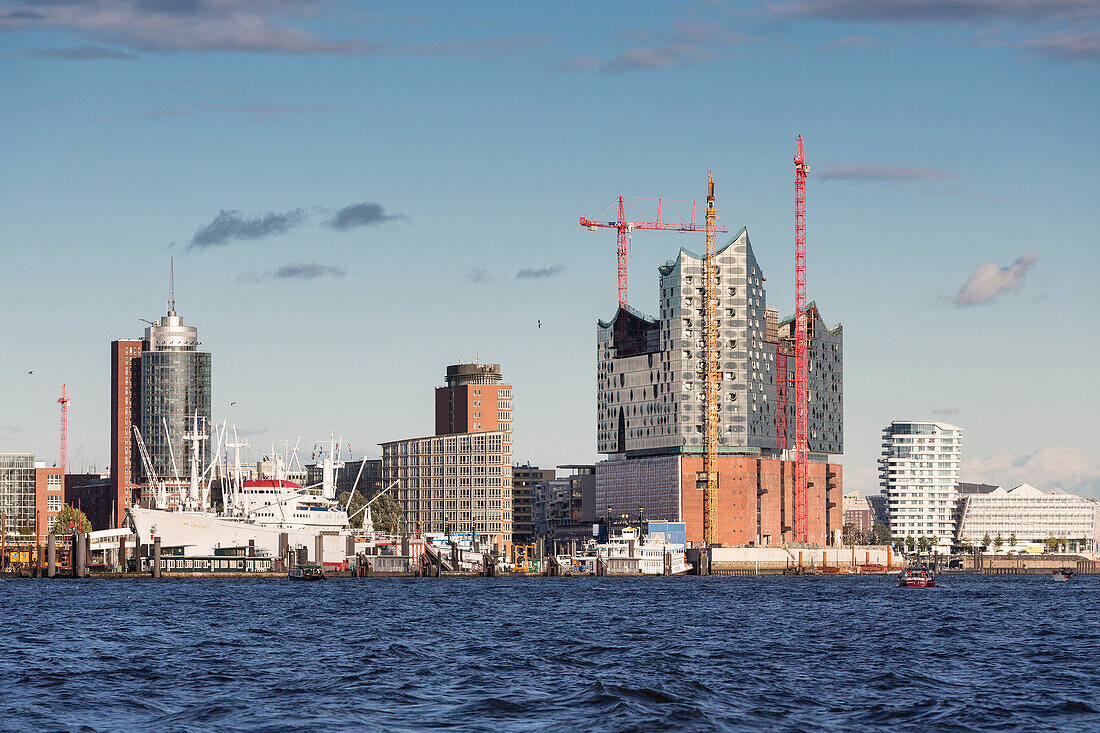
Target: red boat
{"type": "Point", "coordinates": [917, 576]}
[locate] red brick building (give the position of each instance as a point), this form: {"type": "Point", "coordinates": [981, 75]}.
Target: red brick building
{"type": "Point", "coordinates": [473, 401]}
{"type": "Point", "coordinates": [755, 496]}
{"type": "Point", "coordinates": [49, 497]}
{"type": "Point", "coordinates": [125, 413]}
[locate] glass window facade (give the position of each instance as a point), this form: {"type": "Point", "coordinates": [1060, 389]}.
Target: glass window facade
{"type": "Point", "coordinates": [175, 386]}
{"type": "Point", "coordinates": [17, 496]}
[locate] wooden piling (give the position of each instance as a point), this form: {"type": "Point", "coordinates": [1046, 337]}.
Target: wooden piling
{"type": "Point", "coordinates": [156, 557]}
{"type": "Point", "coordinates": [51, 555]}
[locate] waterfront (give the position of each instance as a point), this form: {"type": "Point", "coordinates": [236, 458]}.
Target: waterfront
{"type": "Point", "coordinates": [613, 654]}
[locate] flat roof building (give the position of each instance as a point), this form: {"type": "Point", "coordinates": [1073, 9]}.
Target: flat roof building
{"type": "Point", "coordinates": [1030, 516]}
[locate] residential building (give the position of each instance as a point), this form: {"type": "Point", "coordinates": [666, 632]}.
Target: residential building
{"type": "Point", "coordinates": [459, 482]}
{"type": "Point", "coordinates": [473, 400]}
{"type": "Point", "coordinates": [651, 411]}
{"type": "Point", "coordinates": [1028, 515]}
{"type": "Point", "coordinates": [524, 480]}
{"type": "Point", "coordinates": [454, 484]}
{"type": "Point", "coordinates": [919, 470]}
{"type": "Point", "coordinates": [858, 512]}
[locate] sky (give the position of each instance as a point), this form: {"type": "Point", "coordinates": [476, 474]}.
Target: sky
{"type": "Point", "coordinates": [357, 195]}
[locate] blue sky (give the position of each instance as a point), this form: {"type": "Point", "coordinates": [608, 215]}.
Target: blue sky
{"type": "Point", "coordinates": [387, 173]}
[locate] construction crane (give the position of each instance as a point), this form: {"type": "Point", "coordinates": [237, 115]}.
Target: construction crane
{"type": "Point", "coordinates": [800, 366]}
{"type": "Point", "coordinates": [710, 458]}
{"type": "Point", "coordinates": [624, 227]}
{"type": "Point", "coordinates": [64, 402]}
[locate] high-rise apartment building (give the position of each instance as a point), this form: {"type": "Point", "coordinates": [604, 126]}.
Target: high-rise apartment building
{"type": "Point", "coordinates": [175, 389]}
{"type": "Point", "coordinates": [126, 468]}
{"type": "Point", "coordinates": [651, 411]}
{"type": "Point", "coordinates": [919, 470]}
{"type": "Point", "coordinates": [460, 482]}
{"type": "Point", "coordinates": [473, 400]}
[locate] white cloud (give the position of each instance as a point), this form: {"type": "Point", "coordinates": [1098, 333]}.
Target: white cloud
{"type": "Point", "coordinates": [1050, 467]}
{"type": "Point", "coordinates": [990, 280]}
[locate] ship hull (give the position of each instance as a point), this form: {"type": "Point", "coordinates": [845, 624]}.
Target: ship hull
{"type": "Point", "coordinates": [200, 534]}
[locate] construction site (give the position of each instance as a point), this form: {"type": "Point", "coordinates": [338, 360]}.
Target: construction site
{"type": "Point", "coordinates": [718, 412]}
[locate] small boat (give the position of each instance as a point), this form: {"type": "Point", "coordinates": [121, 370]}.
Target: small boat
{"type": "Point", "coordinates": [1061, 575]}
{"type": "Point", "coordinates": [917, 576]}
{"type": "Point", "coordinates": [306, 573]}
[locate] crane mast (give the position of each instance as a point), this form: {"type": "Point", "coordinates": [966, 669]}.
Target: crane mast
{"type": "Point", "coordinates": [710, 458]}
{"type": "Point", "coordinates": [64, 402]}
{"type": "Point", "coordinates": [800, 365]}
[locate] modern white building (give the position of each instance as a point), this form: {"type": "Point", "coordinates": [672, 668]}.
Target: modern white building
{"type": "Point", "coordinates": [1030, 516]}
{"type": "Point", "coordinates": [919, 470]}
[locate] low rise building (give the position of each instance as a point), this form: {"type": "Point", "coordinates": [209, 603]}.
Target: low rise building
{"type": "Point", "coordinates": [1029, 516]}
{"type": "Point", "coordinates": [525, 478]}
{"type": "Point", "coordinates": [858, 512]}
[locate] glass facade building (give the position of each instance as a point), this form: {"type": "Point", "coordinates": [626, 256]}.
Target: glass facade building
{"type": "Point", "coordinates": [175, 387]}
{"type": "Point", "coordinates": [17, 496]}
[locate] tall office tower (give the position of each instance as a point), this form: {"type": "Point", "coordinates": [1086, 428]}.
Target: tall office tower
{"type": "Point", "coordinates": [920, 472]}
{"type": "Point", "coordinates": [474, 400]}
{"type": "Point", "coordinates": [175, 387]}
{"type": "Point", "coordinates": [126, 469]}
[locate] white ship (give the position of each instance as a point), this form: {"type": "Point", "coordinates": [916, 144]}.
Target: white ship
{"type": "Point", "coordinates": [631, 552]}
{"type": "Point", "coordinates": [258, 512]}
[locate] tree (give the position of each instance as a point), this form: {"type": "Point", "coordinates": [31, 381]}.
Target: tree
{"type": "Point", "coordinates": [922, 543]}
{"type": "Point", "coordinates": [933, 542]}
{"type": "Point", "coordinates": [70, 515]}
{"type": "Point", "coordinates": [1051, 543]}
{"type": "Point", "coordinates": [387, 515]}
{"type": "Point", "coordinates": [1012, 540]}
{"type": "Point", "coordinates": [966, 545]}
{"type": "Point", "coordinates": [987, 540]}
{"type": "Point", "coordinates": [357, 503]}
{"type": "Point", "coordinates": [910, 543]}
{"type": "Point", "coordinates": [851, 534]}
{"type": "Point", "coordinates": [997, 541]}
{"type": "Point", "coordinates": [880, 535]}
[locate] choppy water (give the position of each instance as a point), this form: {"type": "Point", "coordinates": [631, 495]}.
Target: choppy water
{"type": "Point", "coordinates": [550, 653]}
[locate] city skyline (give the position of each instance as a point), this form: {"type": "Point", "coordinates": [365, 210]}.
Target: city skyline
{"type": "Point", "coordinates": [339, 241]}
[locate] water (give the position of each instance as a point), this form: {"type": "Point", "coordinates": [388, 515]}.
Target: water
{"type": "Point", "coordinates": [608, 654]}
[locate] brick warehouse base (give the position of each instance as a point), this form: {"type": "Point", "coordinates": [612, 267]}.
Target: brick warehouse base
{"type": "Point", "coordinates": [755, 497]}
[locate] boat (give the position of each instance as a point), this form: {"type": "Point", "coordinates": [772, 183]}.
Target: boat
{"type": "Point", "coordinates": [1061, 575]}
{"type": "Point", "coordinates": [630, 553]}
{"type": "Point", "coordinates": [271, 515]}
{"type": "Point", "coordinates": [306, 572]}
{"type": "Point", "coordinates": [916, 575]}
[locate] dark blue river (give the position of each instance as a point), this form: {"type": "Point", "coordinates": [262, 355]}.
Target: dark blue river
{"type": "Point", "coordinates": [852, 654]}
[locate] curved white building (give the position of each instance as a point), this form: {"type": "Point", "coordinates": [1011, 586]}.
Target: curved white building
{"type": "Point", "coordinates": [1031, 515]}
{"type": "Point", "coordinates": [919, 469]}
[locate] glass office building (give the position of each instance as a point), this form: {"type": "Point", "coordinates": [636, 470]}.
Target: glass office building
{"type": "Point", "coordinates": [175, 387]}
{"type": "Point", "coordinates": [17, 496]}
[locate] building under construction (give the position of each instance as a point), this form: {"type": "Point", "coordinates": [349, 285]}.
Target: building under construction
{"type": "Point", "coordinates": [651, 414]}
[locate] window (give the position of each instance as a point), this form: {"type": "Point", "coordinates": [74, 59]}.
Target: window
{"type": "Point", "coordinates": [53, 502]}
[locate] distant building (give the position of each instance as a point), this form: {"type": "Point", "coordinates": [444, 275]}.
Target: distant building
{"type": "Point", "coordinates": [524, 481]}
{"type": "Point", "coordinates": [459, 482]}
{"type": "Point", "coordinates": [1029, 515]}
{"type": "Point", "coordinates": [880, 512]}
{"type": "Point", "coordinates": [857, 511]}
{"type": "Point", "coordinates": [919, 470]}
{"type": "Point", "coordinates": [30, 497]}
{"type": "Point", "coordinates": [94, 495]}
{"type": "Point", "coordinates": [367, 471]}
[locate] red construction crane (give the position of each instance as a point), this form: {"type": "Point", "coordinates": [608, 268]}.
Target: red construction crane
{"type": "Point", "coordinates": [800, 370]}
{"type": "Point", "coordinates": [624, 227]}
{"type": "Point", "coordinates": [64, 402]}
